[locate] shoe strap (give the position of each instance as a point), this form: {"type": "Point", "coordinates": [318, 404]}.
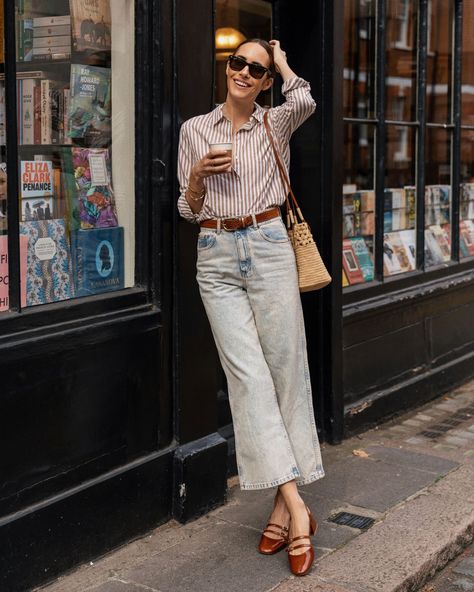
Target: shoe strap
{"type": "Point", "coordinates": [301, 536]}
{"type": "Point", "coordinates": [298, 546]}
{"type": "Point", "coordinates": [278, 526]}
{"type": "Point", "coordinates": [281, 533]}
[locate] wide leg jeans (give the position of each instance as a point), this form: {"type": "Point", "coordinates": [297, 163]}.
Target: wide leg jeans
{"type": "Point", "coordinates": [248, 283]}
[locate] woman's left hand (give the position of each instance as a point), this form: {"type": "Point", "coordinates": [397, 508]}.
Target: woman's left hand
{"type": "Point", "coordinates": [279, 56]}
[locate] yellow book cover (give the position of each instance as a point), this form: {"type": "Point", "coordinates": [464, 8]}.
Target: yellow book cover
{"type": "Point", "coordinates": [91, 24]}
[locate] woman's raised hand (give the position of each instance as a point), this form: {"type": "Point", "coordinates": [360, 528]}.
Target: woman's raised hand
{"type": "Point", "coordinates": [213, 163]}
{"type": "Point", "coordinates": [279, 56]}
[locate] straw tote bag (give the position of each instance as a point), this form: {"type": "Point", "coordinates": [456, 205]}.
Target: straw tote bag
{"type": "Point", "coordinates": [312, 273]}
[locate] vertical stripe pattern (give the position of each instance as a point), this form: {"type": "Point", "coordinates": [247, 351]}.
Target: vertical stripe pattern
{"type": "Point", "coordinates": [254, 184]}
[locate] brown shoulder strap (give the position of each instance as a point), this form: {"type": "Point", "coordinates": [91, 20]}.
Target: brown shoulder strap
{"type": "Point", "coordinates": [281, 168]}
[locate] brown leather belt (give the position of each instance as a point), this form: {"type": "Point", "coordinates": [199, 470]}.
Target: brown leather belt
{"type": "Point", "coordinates": [231, 224]}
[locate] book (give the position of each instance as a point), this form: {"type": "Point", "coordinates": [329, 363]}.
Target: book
{"type": "Point", "coordinates": [98, 260]}
{"type": "Point", "coordinates": [433, 253]}
{"type": "Point", "coordinates": [53, 41]}
{"type": "Point", "coordinates": [3, 198]}
{"type": "Point", "coordinates": [4, 296]}
{"type": "Point", "coordinates": [49, 266]}
{"type": "Point", "coordinates": [37, 208]}
{"type": "Point", "coordinates": [408, 240]}
{"type": "Point", "coordinates": [26, 102]}
{"type": "Point", "coordinates": [391, 263]}
{"type": "Point", "coordinates": [96, 201]}
{"type": "Point", "coordinates": [467, 192]}
{"type": "Point", "coordinates": [91, 24]}
{"type": "Point", "coordinates": [345, 283]}
{"type": "Point", "coordinates": [350, 263]}
{"type": "Point", "coordinates": [367, 199]}
{"type": "Point", "coordinates": [3, 138]}
{"type": "Point", "coordinates": [394, 198]}
{"type": "Point", "coordinates": [90, 105]}
{"type": "Point", "coordinates": [37, 114]}
{"type": "Point", "coordinates": [442, 237]}
{"type": "Point", "coordinates": [47, 21]}
{"type": "Point", "coordinates": [363, 257]}
{"type": "Point", "coordinates": [466, 237]}
{"type": "Point", "coordinates": [36, 178]}
{"type": "Point", "coordinates": [52, 31]}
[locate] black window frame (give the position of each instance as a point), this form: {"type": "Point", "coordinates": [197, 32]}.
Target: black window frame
{"type": "Point", "coordinates": [381, 285]}
{"type": "Point", "coordinates": [149, 174]}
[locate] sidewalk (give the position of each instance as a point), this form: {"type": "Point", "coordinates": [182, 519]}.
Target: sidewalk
{"type": "Point", "coordinates": [417, 487]}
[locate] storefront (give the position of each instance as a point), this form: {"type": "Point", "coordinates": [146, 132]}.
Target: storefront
{"type": "Point", "coordinates": [113, 408]}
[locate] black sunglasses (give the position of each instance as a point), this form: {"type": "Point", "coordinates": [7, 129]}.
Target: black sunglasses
{"type": "Point", "coordinates": [255, 70]}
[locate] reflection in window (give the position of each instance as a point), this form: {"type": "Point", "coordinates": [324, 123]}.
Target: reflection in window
{"type": "Point", "coordinates": [467, 94]}
{"type": "Point", "coordinates": [359, 58]}
{"type": "Point", "coordinates": [76, 195]}
{"type": "Point", "coordinates": [399, 221]}
{"type": "Point", "coordinates": [237, 20]}
{"type": "Point", "coordinates": [438, 196]}
{"type": "Point", "coordinates": [439, 62]}
{"type": "Point", "coordinates": [400, 75]}
{"type": "Point", "coordinates": [358, 205]}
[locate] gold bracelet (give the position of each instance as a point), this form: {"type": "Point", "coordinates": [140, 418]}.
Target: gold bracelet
{"type": "Point", "coordinates": [199, 196]}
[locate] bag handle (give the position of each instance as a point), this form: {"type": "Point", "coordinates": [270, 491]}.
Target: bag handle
{"type": "Point", "coordinates": [293, 205]}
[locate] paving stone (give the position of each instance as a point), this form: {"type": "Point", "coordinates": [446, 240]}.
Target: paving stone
{"type": "Point", "coordinates": [423, 417]}
{"type": "Point", "coordinates": [416, 460]}
{"type": "Point", "coordinates": [469, 453]}
{"type": "Point", "coordinates": [445, 447]}
{"type": "Point", "coordinates": [465, 567]}
{"type": "Point", "coordinates": [415, 440]}
{"type": "Point", "coordinates": [463, 584]}
{"type": "Point", "coordinates": [117, 586]}
{"type": "Point", "coordinates": [464, 434]}
{"type": "Point", "coordinates": [456, 441]}
{"type": "Point", "coordinates": [373, 483]}
{"type": "Point", "coordinates": [412, 422]}
{"type": "Point", "coordinates": [471, 428]}
{"type": "Point", "coordinates": [222, 558]}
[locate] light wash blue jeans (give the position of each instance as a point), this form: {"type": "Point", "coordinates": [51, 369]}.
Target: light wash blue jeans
{"type": "Point", "coordinates": [249, 286]}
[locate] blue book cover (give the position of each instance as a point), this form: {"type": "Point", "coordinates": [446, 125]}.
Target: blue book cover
{"type": "Point", "coordinates": [98, 261]}
{"type": "Point", "coordinates": [49, 268]}
{"type": "Point", "coordinates": [363, 256]}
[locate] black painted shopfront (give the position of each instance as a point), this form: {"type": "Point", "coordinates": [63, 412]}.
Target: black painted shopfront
{"type": "Point", "coordinates": [113, 409]}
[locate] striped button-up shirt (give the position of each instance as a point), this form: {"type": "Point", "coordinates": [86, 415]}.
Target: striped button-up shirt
{"type": "Point", "coordinates": [254, 183]}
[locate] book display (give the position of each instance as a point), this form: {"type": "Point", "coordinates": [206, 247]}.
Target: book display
{"type": "Point", "coordinates": [72, 241]}
{"type": "Point", "coordinates": [358, 233]}
{"type": "Point", "coordinates": [399, 223]}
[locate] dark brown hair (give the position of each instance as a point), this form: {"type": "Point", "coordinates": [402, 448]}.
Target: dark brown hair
{"type": "Point", "coordinates": [267, 47]}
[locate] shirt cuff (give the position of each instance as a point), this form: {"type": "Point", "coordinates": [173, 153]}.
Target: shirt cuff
{"type": "Point", "coordinates": [294, 83]}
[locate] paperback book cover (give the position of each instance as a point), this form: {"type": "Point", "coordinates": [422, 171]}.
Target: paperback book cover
{"type": "Point", "coordinates": [364, 258]}
{"type": "Point", "coordinates": [91, 24]}
{"type": "Point", "coordinates": [466, 237]}
{"type": "Point", "coordinates": [98, 260]}
{"type": "Point", "coordinates": [4, 298]}
{"type": "Point", "coordinates": [90, 105]}
{"type": "Point", "coordinates": [442, 237]}
{"type": "Point", "coordinates": [350, 263]}
{"type": "Point", "coordinates": [36, 178]}
{"type": "Point", "coordinates": [95, 196]}
{"type": "Point", "coordinates": [391, 263]}
{"type": "Point", "coordinates": [49, 266]}
{"type": "Point", "coordinates": [433, 253]}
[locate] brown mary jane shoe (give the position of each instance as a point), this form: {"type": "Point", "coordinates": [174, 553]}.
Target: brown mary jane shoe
{"type": "Point", "coordinates": [268, 545]}
{"type": "Point", "coordinates": [300, 564]}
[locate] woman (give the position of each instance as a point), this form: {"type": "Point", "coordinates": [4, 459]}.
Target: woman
{"type": "Point", "coordinates": [248, 283]}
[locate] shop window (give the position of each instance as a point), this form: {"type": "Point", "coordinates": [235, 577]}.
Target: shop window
{"type": "Point", "coordinates": [235, 21]}
{"type": "Point", "coordinates": [415, 131]}
{"type": "Point", "coordinates": [75, 154]}
{"type": "Point", "coordinates": [359, 58]}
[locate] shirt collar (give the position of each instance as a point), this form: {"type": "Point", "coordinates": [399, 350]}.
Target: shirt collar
{"type": "Point", "coordinates": [257, 114]}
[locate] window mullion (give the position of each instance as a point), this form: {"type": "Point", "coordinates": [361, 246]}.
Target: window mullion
{"type": "Point", "coordinates": [422, 37]}
{"type": "Point", "coordinates": [12, 157]}
{"type": "Point", "coordinates": [380, 138]}
{"type": "Point", "coordinates": [456, 121]}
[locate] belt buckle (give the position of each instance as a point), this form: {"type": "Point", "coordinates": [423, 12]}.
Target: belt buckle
{"type": "Point", "coordinates": [241, 218]}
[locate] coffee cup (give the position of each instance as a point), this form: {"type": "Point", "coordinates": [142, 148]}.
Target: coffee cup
{"type": "Point", "coordinates": [221, 146]}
